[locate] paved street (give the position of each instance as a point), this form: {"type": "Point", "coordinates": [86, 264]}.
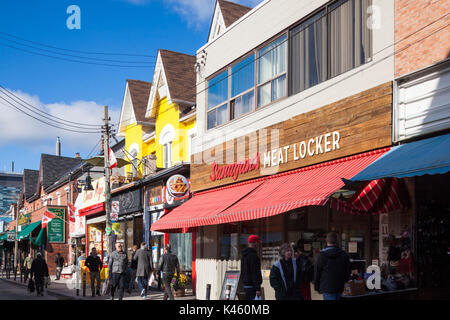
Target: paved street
{"type": "Point", "coordinates": [11, 291]}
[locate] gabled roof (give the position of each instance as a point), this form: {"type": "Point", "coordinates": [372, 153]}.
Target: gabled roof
{"type": "Point", "coordinates": [232, 11]}
{"type": "Point", "coordinates": [225, 14]}
{"type": "Point", "coordinates": [134, 103]}
{"type": "Point", "coordinates": [30, 180]}
{"type": "Point", "coordinates": [53, 167]}
{"type": "Point", "coordinates": [175, 72]}
{"type": "Point", "coordinates": [140, 92]}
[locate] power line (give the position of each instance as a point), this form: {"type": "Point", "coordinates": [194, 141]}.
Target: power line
{"type": "Point", "coordinates": [12, 106]}
{"type": "Point", "coordinates": [76, 124]}
{"type": "Point", "coordinates": [72, 60]}
{"type": "Point", "coordinates": [78, 51]}
{"type": "Point", "coordinates": [72, 55]}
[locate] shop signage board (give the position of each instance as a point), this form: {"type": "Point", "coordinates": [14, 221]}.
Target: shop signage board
{"type": "Point", "coordinates": [353, 125]}
{"type": "Point", "coordinates": [128, 202]}
{"type": "Point", "coordinates": [115, 207]}
{"type": "Point", "coordinates": [155, 194]}
{"type": "Point", "coordinates": [56, 231]}
{"type": "Point", "coordinates": [96, 196]}
{"type": "Point", "coordinates": [177, 190]}
{"type": "Point", "coordinates": [11, 237]}
{"type": "Point", "coordinates": [24, 218]}
{"type": "Point", "coordinates": [230, 285]}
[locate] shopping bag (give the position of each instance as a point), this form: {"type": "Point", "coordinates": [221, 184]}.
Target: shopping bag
{"type": "Point", "coordinates": [31, 286]}
{"type": "Point", "coordinates": [106, 288]}
{"type": "Point", "coordinates": [47, 281]}
{"type": "Point", "coordinates": [152, 281]}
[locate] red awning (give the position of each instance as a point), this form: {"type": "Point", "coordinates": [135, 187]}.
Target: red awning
{"type": "Point", "coordinates": [376, 196]}
{"type": "Point", "coordinates": [96, 208]}
{"type": "Point", "coordinates": [270, 195]}
{"type": "Point", "coordinates": [203, 207]}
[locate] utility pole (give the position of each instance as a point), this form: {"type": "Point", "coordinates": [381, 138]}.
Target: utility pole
{"type": "Point", "coordinates": [16, 242]}
{"type": "Point", "coordinates": [107, 180]}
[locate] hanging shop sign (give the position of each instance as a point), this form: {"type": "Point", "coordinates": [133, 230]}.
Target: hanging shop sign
{"type": "Point", "coordinates": [56, 231]}
{"type": "Point", "coordinates": [24, 218]}
{"type": "Point", "coordinates": [128, 202]}
{"type": "Point", "coordinates": [177, 190]}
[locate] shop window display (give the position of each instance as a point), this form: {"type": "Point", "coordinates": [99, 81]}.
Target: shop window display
{"type": "Point", "coordinates": [229, 244]}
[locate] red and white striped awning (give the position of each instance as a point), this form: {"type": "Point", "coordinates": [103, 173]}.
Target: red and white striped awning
{"type": "Point", "coordinates": [267, 196]}
{"type": "Point", "coordinates": [374, 197]}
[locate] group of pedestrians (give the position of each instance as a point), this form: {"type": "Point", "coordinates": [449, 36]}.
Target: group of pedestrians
{"type": "Point", "coordinates": [293, 272]}
{"type": "Point", "coordinates": [141, 266]}
{"type": "Point", "coordinates": [36, 269]}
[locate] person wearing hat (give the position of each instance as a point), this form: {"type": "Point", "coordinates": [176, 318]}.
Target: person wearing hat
{"type": "Point", "coordinates": [39, 270]}
{"type": "Point", "coordinates": [251, 269]}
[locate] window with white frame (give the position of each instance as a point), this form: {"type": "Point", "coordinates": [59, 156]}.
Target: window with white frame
{"type": "Point", "coordinates": [218, 100]}
{"type": "Point", "coordinates": [58, 198]}
{"type": "Point", "coordinates": [67, 194]}
{"type": "Point", "coordinates": [272, 67]}
{"type": "Point", "coordinates": [242, 87]}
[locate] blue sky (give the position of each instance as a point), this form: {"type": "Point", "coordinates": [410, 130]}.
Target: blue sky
{"type": "Point", "coordinates": [76, 91]}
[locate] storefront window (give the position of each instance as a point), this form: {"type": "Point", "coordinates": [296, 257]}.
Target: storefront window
{"type": "Point", "coordinates": [229, 247]}
{"type": "Point", "coordinates": [181, 244]}
{"type": "Point", "coordinates": [272, 238]}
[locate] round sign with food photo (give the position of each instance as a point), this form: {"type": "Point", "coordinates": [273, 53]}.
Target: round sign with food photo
{"type": "Point", "coordinates": [177, 186]}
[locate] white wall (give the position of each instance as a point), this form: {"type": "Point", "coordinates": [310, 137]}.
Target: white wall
{"type": "Point", "coordinates": [256, 27]}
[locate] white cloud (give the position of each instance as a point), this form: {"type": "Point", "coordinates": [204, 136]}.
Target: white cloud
{"type": "Point", "coordinates": [19, 129]}
{"type": "Point", "coordinates": [198, 12]}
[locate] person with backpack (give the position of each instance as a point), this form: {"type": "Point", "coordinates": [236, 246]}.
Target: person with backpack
{"type": "Point", "coordinates": [332, 269]}
{"type": "Point", "coordinates": [167, 265]}
{"type": "Point", "coordinates": [94, 265]}
{"type": "Point", "coordinates": [306, 267]}
{"type": "Point", "coordinates": [285, 276]}
{"type": "Point", "coordinates": [59, 261]}
{"type": "Point", "coordinates": [39, 270]}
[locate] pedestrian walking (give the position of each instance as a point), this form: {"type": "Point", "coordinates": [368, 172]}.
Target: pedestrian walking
{"type": "Point", "coordinates": [251, 269]}
{"type": "Point", "coordinates": [143, 257]}
{"type": "Point", "coordinates": [285, 276]}
{"type": "Point", "coordinates": [167, 265]}
{"type": "Point", "coordinates": [117, 268]}
{"type": "Point", "coordinates": [94, 264]}
{"type": "Point", "coordinates": [133, 269]}
{"type": "Point", "coordinates": [59, 261]}
{"type": "Point", "coordinates": [331, 270]}
{"type": "Point", "coordinates": [27, 265]}
{"type": "Point", "coordinates": [306, 267]}
{"type": "Point", "coordinates": [39, 270]}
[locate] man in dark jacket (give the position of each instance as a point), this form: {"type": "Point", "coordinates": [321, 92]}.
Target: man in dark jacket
{"type": "Point", "coordinates": [94, 264]}
{"type": "Point", "coordinates": [133, 269]}
{"type": "Point", "coordinates": [117, 270]}
{"type": "Point", "coordinates": [332, 269]}
{"type": "Point", "coordinates": [285, 276]}
{"type": "Point", "coordinates": [251, 269]}
{"type": "Point", "coordinates": [167, 265]}
{"type": "Point", "coordinates": [143, 257]}
{"type": "Point", "coordinates": [39, 270]}
{"type": "Point", "coordinates": [59, 261]}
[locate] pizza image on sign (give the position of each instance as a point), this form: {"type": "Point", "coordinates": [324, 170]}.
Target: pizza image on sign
{"type": "Point", "coordinates": [177, 185]}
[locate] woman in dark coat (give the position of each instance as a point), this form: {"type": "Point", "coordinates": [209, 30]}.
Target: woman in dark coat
{"type": "Point", "coordinates": [285, 276]}
{"type": "Point", "coordinates": [144, 268]}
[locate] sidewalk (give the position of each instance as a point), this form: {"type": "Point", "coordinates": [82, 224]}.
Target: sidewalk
{"type": "Point", "coordinates": [64, 289]}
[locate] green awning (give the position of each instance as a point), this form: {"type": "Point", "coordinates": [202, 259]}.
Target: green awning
{"type": "Point", "coordinates": [27, 230]}
{"type": "Point", "coordinates": [39, 239]}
